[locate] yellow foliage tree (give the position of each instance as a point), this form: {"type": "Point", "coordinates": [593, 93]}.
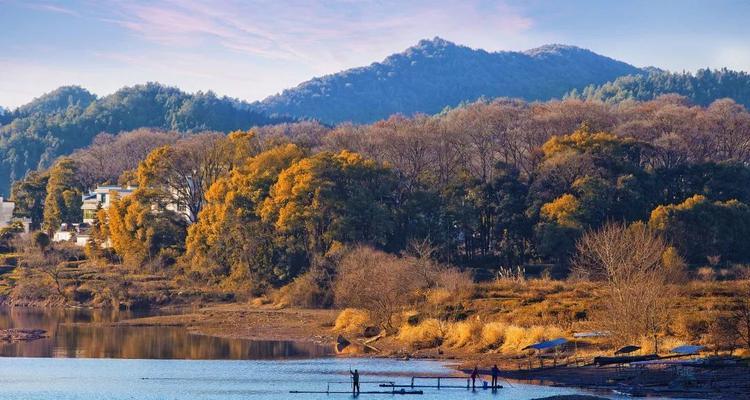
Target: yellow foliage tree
{"type": "Point", "coordinates": [329, 198]}
{"type": "Point", "coordinates": [563, 210]}
{"type": "Point", "coordinates": [228, 243]}
{"type": "Point", "coordinates": [138, 232]}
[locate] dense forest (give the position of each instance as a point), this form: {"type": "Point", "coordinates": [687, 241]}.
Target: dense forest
{"type": "Point", "coordinates": [437, 73]}
{"type": "Point", "coordinates": [703, 87]}
{"type": "Point", "coordinates": [68, 118]}
{"type": "Point", "coordinates": [488, 185]}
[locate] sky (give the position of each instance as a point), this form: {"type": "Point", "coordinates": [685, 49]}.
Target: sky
{"type": "Point", "coordinates": [254, 48]}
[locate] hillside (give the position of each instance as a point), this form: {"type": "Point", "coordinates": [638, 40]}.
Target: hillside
{"type": "Point", "coordinates": [437, 73]}
{"type": "Point", "coordinates": [68, 118]}
{"type": "Point", "coordinates": [703, 87]}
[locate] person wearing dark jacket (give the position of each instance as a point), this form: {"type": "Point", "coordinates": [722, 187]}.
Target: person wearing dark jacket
{"type": "Point", "coordinates": [495, 374]}
{"type": "Point", "coordinates": [355, 382]}
{"type": "Point", "coordinates": [474, 376]}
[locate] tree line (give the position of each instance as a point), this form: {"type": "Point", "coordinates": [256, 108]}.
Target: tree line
{"type": "Point", "coordinates": [703, 87]}
{"type": "Point", "coordinates": [489, 185]}
{"type": "Point", "coordinates": [34, 135]}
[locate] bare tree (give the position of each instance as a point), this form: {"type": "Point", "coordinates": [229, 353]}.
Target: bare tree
{"type": "Point", "coordinates": [627, 260]}
{"type": "Point", "coordinates": [380, 283]}
{"type": "Point", "coordinates": [109, 156]}
{"type": "Point", "coordinates": [184, 171]}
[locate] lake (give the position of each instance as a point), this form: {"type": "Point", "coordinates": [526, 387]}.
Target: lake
{"type": "Point", "coordinates": [81, 361]}
{"type": "Point", "coordinates": [84, 333]}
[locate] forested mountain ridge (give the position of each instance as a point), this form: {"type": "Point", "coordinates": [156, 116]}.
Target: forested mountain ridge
{"type": "Point", "coordinates": [68, 118]}
{"type": "Point", "coordinates": [437, 73]}
{"type": "Point", "coordinates": [702, 88]}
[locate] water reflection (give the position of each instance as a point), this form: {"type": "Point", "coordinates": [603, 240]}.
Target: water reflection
{"type": "Point", "coordinates": [71, 335]}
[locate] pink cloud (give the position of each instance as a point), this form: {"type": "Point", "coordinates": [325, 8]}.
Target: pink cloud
{"type": "Point", "coordinates": [317, 32]}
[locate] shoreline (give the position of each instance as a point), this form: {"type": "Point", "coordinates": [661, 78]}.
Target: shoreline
{"type": "Point", "coordinates": [234, 321]}
{"type": "Point", "coordinates": [264, 323]}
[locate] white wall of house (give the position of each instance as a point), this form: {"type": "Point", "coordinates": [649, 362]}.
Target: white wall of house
{"type": "Point", "coordinates": [6, 212]}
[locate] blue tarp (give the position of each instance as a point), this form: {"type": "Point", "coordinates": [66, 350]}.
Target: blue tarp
{"type": "Point", "coordinates": [547, 345]}
{"type": "Point", "coordinates": [687, 349]}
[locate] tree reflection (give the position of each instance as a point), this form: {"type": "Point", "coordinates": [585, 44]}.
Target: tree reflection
{"type": "Point", "coordinates": [87, 334]}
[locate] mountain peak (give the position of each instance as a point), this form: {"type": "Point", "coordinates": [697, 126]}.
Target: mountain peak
{"type": "Point", "coordinates": [436, 73]}
{"type": "Point", "coordinates": [556, 49]}
{"type": "Point", "coordinates": [437, 41]}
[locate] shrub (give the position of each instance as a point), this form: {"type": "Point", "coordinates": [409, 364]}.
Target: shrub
{"type": "Point", "coordinates": [493, 334]}
{"type": "Point", "coordinates": [458, 283]}
{"type": "Point", "coordinates": [428, 333]}
{"type": "Point", "coordinates": [309, 290]}
{"type": "Point", "coordinates": [352, 321]}
{"type": "Point", "coordinates": [706, 274]}
{"type": "Point", "coordinates": [381, 283]}
{"type": "Point", "coordinates": [462, 334]}
{"type": "Point", "coordinates": [439, 296]}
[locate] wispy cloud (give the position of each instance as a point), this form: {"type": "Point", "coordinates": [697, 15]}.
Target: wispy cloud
{"type": "Point", "coordinates": [53, 8]}
{"type": "Point", "coordinates": [317, 32]}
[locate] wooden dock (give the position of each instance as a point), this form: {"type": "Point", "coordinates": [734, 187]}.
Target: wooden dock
{"type": "Point", "coordinates": [391, 392]}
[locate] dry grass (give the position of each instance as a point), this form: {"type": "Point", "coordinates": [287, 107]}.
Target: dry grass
{"type": "Point", "coordinates": [464, 334]}
{"type": "Point", "coordinates": [493, 334]}
{"type": "Point", "coordinates": [428, 333]}
{"type": "Point", "coordinates": [516, 337]}
{"type": "Point", "coordinates": [352, 321]}
{"type": "Point", "coordinates": [439, 296]}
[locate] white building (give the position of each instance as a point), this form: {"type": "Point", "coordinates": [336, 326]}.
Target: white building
{"type": "Point", "coordinates": [102, 195]}
{"type": "Point", "coordinates": [6, 215]}
{"type": "Point", "coordinates": [6, 212]}
{"type": "Point", "coordinates": [101, 198]}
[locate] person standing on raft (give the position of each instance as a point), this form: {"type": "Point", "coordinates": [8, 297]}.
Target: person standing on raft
{"type": "Point", "coordinates": [495, 373]}
{"type": "Point", "coordinates": [355, 382]}
{"type": "Point", "coordinates": [474, 375]}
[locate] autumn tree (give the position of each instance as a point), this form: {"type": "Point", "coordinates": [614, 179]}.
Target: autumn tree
{"type": "Point", "coordinates": [329, 198]}
{"type": "Point", "coordinates": [109, 156]}
{"type": "Point", "coordinates": [139, 233]}
{"type": "Point", "coordinates": [182, 173]}
{"type": "Point", "coordinates": [230, 243]}
{"type": "Point", "coordinates": [741, 315]}
{"type": "Point", "coordinates": [63, 201]}
{"type": "Point", "coordinates": [700, 228]}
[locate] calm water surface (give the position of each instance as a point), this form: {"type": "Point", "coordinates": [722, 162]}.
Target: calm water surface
{"type": "Point", "coordinates": [71, 335]}
{"type": "Point", "coordinates": [84, 362]}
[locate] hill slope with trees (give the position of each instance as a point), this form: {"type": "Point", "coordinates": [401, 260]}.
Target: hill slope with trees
{"type": "Point", "coordinates": [702, 88]}
{"type": "Point", "coordinates": [59, 122]}
{"type": "Point", "coordinates": [436, 73]}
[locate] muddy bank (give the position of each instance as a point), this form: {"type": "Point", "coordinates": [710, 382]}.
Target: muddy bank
{"type": "Point", "coordinates": [239, 321]}
{"type": "Point", "coordinates": [726, 382]}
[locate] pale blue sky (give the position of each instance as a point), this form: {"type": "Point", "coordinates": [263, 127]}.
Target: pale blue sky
{"type": "Point", "coordinates": [251, 49]}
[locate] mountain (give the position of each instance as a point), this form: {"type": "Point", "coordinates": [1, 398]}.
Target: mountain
{"type": "Point", "coordinates": [68, 118]}
{"type": "Point", "coordinates": [436, 73]}
{"type": "Point", "coordinates": [701, 88]}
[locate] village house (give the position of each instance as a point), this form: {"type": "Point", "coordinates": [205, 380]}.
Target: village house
{"type": "Point", "coordinates": [6, 215]}
{"type": "Point", "coordinates": [101, 197]}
